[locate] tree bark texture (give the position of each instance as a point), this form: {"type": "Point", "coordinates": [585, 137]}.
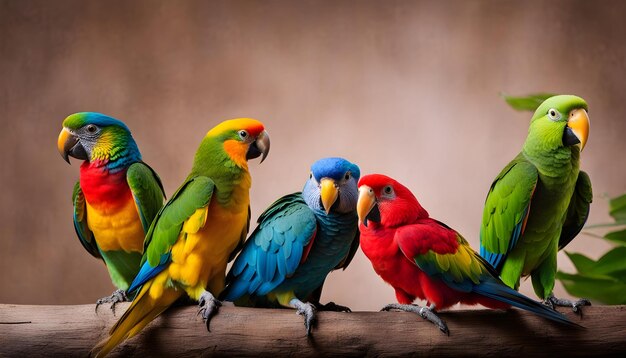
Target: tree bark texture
{"type": "Point", "coordinates": [71, 331]}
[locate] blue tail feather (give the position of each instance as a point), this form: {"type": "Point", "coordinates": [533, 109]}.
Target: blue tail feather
{"type": "Point", "coordinates": [147, 272]}
{"type": "Point", "coordinates": [498, 291]}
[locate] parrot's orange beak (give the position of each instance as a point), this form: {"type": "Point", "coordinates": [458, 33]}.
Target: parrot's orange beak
{"type": "Point", "coordinates": [329, 193]}
{"type": "Point", "coordinates": [577, 130]}
{"type": "Point", "coordinates": [366, 204]}
{"type": "Point", "coordinates": [65, 143]}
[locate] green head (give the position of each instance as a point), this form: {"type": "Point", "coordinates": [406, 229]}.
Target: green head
{"type": "Point", "coordinates": [229, 145]}
{"type": "Point", "coordinates": [560, 121]}
{"type": "Point", "coordinates": [95, 137]}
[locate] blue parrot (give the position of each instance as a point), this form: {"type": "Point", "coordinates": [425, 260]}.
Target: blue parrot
{"type": "Point", "coordinates": [300, 239]}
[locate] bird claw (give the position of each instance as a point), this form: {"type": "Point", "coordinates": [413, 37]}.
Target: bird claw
{"type": "Point", "coordinates": [427, 314]}
{"type": "Point", "coordinates": [209, 306]}
{"type": "Point", "coordinates": [307, 310]}
{"type": "Point", "coordinates": [424, 312]}
{"type": "Point", "coordinates": [576, 306]}
{"type": "Point", "coordinates": [400, 307]}
{"type": "Point", "coordinates": [333, 307]}
{"type": "Point", "coordinates": [116, 297]}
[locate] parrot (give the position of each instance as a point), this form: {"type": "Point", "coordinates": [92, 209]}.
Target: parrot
{"type": "Point", "coordinates": [197, 232]}
{"type": "Point", "coordinates": [116, 197]}
{"type": "Point", "coordinates": [421, 257]}
{"type": "Point", "coordinates": [299, 240]}
{"type": "Point", "coordinates": [540, 201]}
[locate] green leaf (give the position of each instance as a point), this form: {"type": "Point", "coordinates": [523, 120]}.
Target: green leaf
{"type": "Point", "coordinates": [615, 224]}
{"type": "Point", "coordinates": [617, 208]}
{"type": "Point", "coordinates": [605, 290]}
{"type": "Point", "coordinates": [617, 236]}
{"type": "Point", "coordinates": [619, 275]}
{"type": "Point", "coordinates": [527, 103]}
{"type": "Point", "coordinates": [589, 268]}
{"type": "Point", "coordinates": [614, 260]}
{"type": "Point", "coordinates": [603, 280]}
{"type": "Point", "coordinates": [581, 262]}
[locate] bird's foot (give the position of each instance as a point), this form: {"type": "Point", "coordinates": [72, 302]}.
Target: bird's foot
{"type": "Point", "coordinates": [333, 307]}
{"type": "Point", "coordinates": [117, 296]}
{"type": "Point", "coordinates": [424, 312]}
{"type": "Point", "coordinates": [307, 310]}
{"type": "Point", "coordinates": [209, 306]}
{"type": "Point", "coordinates": [576, 306]}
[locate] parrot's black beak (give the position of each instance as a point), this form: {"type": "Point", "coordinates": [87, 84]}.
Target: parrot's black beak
{"type": "Point", "coordinates": [261, 146]}
{"type": "Point", "coordinates": [373, 215]}
{"type": "Point", "coordinates": [569, 138]}
{"type": "Point", "coordinates": [69, 144]}
{"type": "Point", "coordinates": [367, 206]}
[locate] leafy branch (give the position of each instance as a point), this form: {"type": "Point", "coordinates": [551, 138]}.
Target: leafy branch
{"type": "Point", "coordinates": [603, 280]}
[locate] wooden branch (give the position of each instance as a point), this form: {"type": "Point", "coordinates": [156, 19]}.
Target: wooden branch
{"type": "Point", "coordinates": [33, 331]}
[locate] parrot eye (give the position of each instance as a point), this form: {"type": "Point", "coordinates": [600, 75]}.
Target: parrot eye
{"type": "Point", "coordinates": [553, 114]}
{"type": "Point", "coordinates": [347, 176]}
{"type": "Point", "coordinates": [243, 134]}
{"type": "Point", "coordinates": [310, 175]}
{"type": "Point", "coordinates": [388, 190]}
{"type": "Point", "coordinates": [92, 128]}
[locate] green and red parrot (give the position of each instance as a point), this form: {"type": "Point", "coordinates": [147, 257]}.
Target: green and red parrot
{"type": "Point", "coordinates": [116, 197]}
{"type": "Point", "coordinates": [423, 258]}
{"type": "Point", "coordinates": [198, 231]}
{"type": "Point", "coordinates": [300, 239]}
{"type": "Point", "coordinates": [540, 201]}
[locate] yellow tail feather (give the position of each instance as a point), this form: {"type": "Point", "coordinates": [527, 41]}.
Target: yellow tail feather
{"type": "Point", "coordinates": [142, 311]}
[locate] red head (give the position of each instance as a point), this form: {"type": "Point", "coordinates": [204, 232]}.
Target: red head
{"type": "Point", "coordinates": [384, 201]}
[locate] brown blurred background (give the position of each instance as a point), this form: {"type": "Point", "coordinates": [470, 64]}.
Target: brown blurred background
{"type": "Point", "coordinates": [406, 88]}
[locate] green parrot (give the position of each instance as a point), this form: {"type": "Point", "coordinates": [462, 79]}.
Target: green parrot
{"type": "Point", "coordinates": [540, 201]}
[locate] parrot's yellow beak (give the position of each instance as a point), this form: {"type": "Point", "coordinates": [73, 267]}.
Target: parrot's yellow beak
{"type": "Point", "coordinates": [329, 193]}
{"type": "Point", "coordinates": [65, 143]}
{"type": "Point", "coordinates": [365, 204]}
{"type": "Point", "coordinates": [578, 125]}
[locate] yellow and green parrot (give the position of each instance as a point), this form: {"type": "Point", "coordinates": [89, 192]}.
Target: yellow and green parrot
{"type": "Point", "coordinates": [116, 197]}
{"type": "Point", "coordinates": [540, 201]}
{"type": "Point", "coordinates": [196, 233]}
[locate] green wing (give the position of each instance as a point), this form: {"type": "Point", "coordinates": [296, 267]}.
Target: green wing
{"type": "Point", "coordinates": [147, 191]}
{"type": "Point", "coordinates": [80, 222]}
{"type": "Point", "coordinates": [167, 226]}
{"type": "Point", "coordinates": [429, 247]}
{"type": "Point", "coordinates": [578, 210]}
{"type": "Point", "coordinates": [506, 210]}
{"type": "Point", "coordinates": [194, 194]}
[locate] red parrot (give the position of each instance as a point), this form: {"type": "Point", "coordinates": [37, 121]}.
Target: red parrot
{"type": "Point", "coordinates": [423, 258]}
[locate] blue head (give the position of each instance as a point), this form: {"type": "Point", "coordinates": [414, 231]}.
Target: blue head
{"type": "Point", "coordinates": [332, 186]}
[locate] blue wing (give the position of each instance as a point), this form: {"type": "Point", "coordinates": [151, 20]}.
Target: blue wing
{"type": "Point", "coordinates": [274, 250]}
